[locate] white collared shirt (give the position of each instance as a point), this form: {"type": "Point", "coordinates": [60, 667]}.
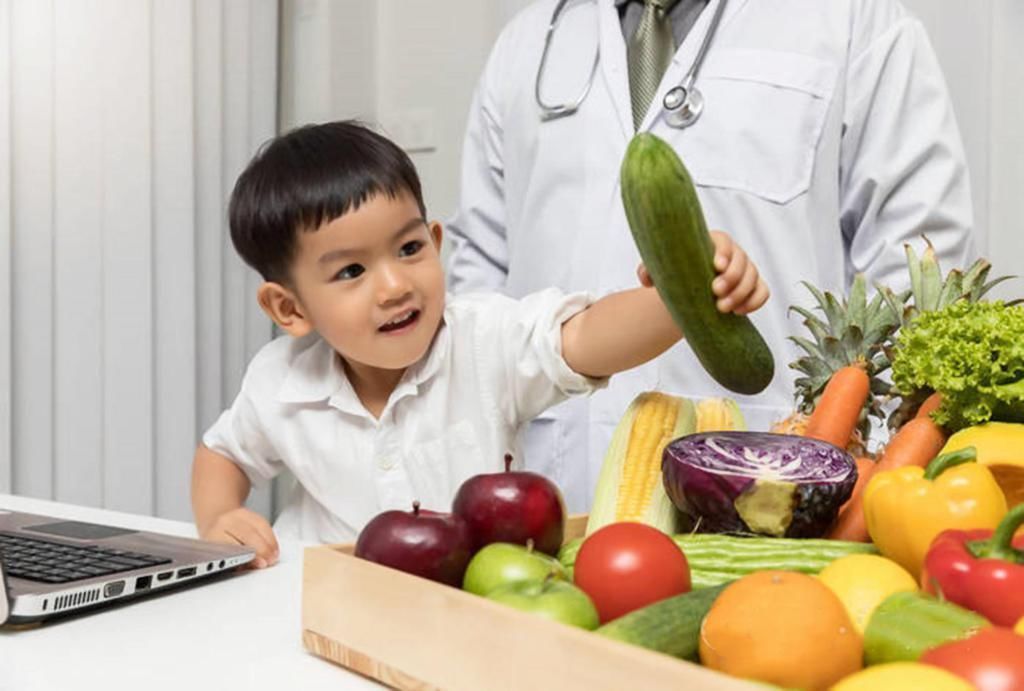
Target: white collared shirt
{"type": "Point", "coordinates": [495, 364]}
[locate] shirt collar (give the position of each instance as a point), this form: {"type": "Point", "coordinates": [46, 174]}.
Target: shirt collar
{"type": "Point", "coordinates": [317, 373]}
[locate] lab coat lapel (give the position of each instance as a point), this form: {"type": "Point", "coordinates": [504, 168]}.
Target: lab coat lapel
{"type": "Point", "coordinates": [686, 53]}
{"type": "Point", "coordinates": [614, 70]}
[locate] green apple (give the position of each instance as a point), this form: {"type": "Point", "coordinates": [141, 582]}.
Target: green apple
{"type": "Point", "coordinates": [501, 563]}
{"type": "Point", "coordinates": [552, 598]}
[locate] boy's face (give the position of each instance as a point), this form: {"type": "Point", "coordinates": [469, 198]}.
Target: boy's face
{"type": "Point", "coordinates": [371, 284]}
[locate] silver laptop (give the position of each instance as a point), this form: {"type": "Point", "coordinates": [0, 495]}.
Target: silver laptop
{"type": "Point", "coordinates": [50, 566]}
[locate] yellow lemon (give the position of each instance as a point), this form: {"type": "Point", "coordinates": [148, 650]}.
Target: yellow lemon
{"type": "Point", "coordinates": [862, 581]}
{"type": "Point", "coordinates": [900, 676]}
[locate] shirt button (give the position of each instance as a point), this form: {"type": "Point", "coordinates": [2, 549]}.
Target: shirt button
{"type": "Point", "coordinates": [386, 462]}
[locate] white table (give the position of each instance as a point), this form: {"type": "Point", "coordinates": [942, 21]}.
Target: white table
{"type": "Point", "coordinates": [243, 632]}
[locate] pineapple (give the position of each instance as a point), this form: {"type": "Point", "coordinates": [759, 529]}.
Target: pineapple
{"type": "Point", "coordinates": [854, 332]}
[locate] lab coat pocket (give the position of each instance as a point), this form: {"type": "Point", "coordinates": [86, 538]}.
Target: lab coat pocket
{"type": "Point", "coordinates": [438, 467]}
{"type": "Point", "coordinates": [763, 118]}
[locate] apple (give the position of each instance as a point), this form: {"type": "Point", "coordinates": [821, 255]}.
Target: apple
{"type": "Point", "coordinates": [552, 598]}
{"type": "Point", "coordinates": [502, 563]}
{"type": "Point", "coordinates": [512, 506]}
{"type": "Point", "coordinates": [424, 543]}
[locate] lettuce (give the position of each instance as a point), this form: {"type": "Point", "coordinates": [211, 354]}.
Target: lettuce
{"type": "Point", "coordinates": [971, 353]}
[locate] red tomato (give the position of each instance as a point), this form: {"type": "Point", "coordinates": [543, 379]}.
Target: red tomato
{"type": "Point", "coordinates": [625, 566]}
{"type": "Point", "coordinates": [991, 660]}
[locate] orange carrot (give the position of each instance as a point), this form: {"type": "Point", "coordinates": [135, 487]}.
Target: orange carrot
{"type": "Point", "coordinates": [850, 525]}
{"type": "Point", "coordinates": [930, 404]}
{"type": "Point", "coordinates": [915, 443]}
{"type": "Point", "coordinates": [838, 410]}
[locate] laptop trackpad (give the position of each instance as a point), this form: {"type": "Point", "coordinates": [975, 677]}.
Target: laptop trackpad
{"type": "Point", "coordinates": [79, 531]}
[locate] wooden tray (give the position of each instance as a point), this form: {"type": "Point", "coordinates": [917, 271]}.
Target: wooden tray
{"type": "Point", "coordinates": [412, 633]}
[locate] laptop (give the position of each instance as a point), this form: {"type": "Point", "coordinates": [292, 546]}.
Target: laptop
{"type": "Point", "coordinates": [50, 567]}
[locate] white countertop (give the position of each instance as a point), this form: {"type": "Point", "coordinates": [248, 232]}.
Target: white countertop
{"type": "Point", "coordinates": [243, 632]}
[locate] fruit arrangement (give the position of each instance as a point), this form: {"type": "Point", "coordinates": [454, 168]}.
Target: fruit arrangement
{"type": "Point", "coordinates": [809, 556]}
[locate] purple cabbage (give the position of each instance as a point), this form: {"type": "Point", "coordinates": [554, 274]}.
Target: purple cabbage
{"type": "Point", "coordinates": [757, 482]}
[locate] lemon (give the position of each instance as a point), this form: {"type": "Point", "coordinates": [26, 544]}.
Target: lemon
{"type": "Point", "coordinates": [862, 581]}
{"type": "Point", "coordinates": [899, 676]}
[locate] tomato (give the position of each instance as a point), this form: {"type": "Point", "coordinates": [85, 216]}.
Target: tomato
{"type": "Point", "coordinates": [992, 659]}
{"type": "Point", "coordinates": [625, 566]}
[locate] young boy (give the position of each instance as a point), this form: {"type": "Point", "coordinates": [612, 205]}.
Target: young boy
{"type": "Point", "coordinates": [384, 390]}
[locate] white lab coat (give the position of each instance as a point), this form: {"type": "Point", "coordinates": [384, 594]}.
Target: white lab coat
{"type": "Point", "coordinates": [827, 141]}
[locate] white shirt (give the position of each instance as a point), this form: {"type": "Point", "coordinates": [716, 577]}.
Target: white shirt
{"type": "Point", "coordinates": [827, 141]}
{"type": "Point", "coordinates": [494, 364]}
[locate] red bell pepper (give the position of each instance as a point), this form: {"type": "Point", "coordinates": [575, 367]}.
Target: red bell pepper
{"type": "Point", "coordinates": [980, 569]}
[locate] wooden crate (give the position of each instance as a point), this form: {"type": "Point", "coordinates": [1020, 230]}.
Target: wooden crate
{"type": "Point", "coordinates": [412, 633]}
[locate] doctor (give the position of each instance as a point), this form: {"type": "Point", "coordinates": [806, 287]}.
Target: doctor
{"type": "Point", "coordinates": [819, 134]}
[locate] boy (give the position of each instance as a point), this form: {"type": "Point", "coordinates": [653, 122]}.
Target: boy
{"type": "Point", "coordinates": [384, 390]}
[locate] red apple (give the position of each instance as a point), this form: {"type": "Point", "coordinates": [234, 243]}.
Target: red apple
{"type": "Point", "coordinates": [512, 506]}
{"type": "Point", "coordinates": [424, 543]}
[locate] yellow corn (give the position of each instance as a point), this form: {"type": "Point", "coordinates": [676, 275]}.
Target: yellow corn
{"type": "Point", "coordinates": [630, 486]}
{"type": "Point", "coordinates": [719, 415]}
{"type": "Point", "coordinates": [651, 431]}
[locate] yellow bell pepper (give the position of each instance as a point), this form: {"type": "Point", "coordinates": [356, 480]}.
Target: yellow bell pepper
{"type": "Point", "coordinates": [906, 508]}
{"type": "Point", "coordinates": [1000, 447]}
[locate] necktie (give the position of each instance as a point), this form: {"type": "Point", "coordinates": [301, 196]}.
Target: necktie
{"type": "Point", "coordinates": [648, 53]}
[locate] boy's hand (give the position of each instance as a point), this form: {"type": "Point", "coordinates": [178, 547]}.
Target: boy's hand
{"type": "Point", "coordinates": [244, 527]}
{"type": "Point", "coordinates": [738, 286]}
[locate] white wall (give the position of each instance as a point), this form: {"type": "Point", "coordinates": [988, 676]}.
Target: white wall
{"type": "Point", "coordinates": [407, 65]}
{"type": "Point", "coordinates": [126, 318]}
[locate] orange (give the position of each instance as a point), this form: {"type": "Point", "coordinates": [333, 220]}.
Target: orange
{"type": "Point", "coordinates": [782, 628]}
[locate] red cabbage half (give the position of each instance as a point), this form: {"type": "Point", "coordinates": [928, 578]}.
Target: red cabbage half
{"type": "Point", "coordinates": [757, 482]}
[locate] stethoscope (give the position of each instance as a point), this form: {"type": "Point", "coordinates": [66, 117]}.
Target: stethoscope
{"type": "Point", "coordinates": [683, 103]}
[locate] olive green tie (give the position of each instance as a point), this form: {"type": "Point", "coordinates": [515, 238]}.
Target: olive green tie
{"type": "Point", "coordinates": [649, 52]}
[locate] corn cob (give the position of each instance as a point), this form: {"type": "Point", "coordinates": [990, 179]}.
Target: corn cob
{"type": "Point", "coordinates": [719, 415]}
{"type": "Point", "coordinates": [630, 486]}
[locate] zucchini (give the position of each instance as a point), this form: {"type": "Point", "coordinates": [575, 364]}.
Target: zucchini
{"type": "Point", "coordinates": [669, 230]}
{"type": "Point", "coordinates": [906, 624]}
{"type": "Point", "coordinates": [670, 626]}
{"type": "Point", "coordinates": [716, 559]}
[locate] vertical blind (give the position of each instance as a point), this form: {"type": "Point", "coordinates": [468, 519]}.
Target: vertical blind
{"type": "Point", "coordinates": [126, 318]}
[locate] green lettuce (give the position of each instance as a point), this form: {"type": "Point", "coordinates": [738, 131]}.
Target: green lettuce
{"type": "Point", "coordinates": [971, 353]}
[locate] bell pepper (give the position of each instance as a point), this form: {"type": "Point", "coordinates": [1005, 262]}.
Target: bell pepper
{"type": "Point", "coordinates": [981, 570]}
{"type": "Point", "coordinates": [900, 676]}
{"type": "Point", "coordinates": [907, 507]}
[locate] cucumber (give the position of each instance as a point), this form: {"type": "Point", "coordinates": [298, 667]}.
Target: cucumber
{"type": "Point", "coordinates": [906, 624]}
{"type": "Point", "coordinates": [716, 559]}
{"type": "Point", "coordinates": [669, 230]}
{"type": "Point", "coordinates": [670, 626]}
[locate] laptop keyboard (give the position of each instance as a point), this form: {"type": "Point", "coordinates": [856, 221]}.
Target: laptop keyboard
{"type": "Point", "coordinates": [53, 562]}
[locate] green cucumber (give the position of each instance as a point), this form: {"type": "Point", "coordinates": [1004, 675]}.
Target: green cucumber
{"type": "Point", "coordinates": [669, 230]}
{"type": "Point", "coordinates": [670, 626]}
{"type": "Point", "coordinates": [715, 558]}
{"type": "Point", "coordinates": [906, 624]}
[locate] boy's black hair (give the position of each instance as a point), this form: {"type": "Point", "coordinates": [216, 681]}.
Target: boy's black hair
{"type": "Point", "coordinates": [307, 177]}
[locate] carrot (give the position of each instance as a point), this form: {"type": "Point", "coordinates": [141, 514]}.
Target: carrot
{"type": "Point", "coordinates": [850, 525]}
{"type": "Point", "coordinates": [915, 443]}
{"type": "Point", "coordinates": [930, 404]}
{"type": "Point", "coordinates": [838, 410]}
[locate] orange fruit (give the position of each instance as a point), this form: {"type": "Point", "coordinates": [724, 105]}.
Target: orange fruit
{"type": "Point", "coordinates": [782, 628]}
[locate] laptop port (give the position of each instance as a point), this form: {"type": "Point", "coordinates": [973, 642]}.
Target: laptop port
{"type": "Point", "coordinates": [143, 583]}
{"type": "Point", "coordinates": [186, 572]}
{"type": "Point", "coordinates": [113, 589]}
{"type": "Point", "coordinates": [164, 576]}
